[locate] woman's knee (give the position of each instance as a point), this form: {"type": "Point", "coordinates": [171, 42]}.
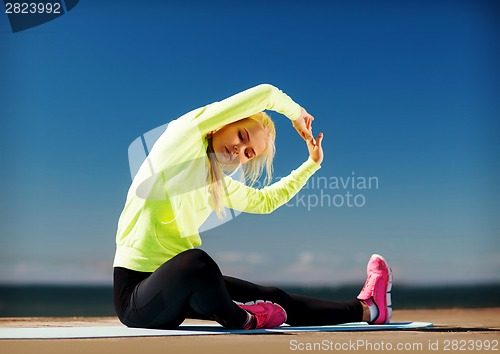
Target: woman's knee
{"type": "Point", "coordinates": [276, 294]}
{"type": "Point", "coordinates": [195, 261]}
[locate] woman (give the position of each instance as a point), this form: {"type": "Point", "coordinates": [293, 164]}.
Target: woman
{"type": "Point", "coordinates": [160, 278]}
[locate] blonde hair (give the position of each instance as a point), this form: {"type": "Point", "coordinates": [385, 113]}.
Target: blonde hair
{"type": "Point", "coordinates": [252, 170]}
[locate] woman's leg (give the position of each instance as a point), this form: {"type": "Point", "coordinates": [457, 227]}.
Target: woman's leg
{"type": "Point", "coordinates": [188, 285]}
{"type": "Point", "coordinates": [301, 310]}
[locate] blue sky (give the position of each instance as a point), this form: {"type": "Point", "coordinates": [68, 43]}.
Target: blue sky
{"type": "Point", "coordinates": [406, 92]}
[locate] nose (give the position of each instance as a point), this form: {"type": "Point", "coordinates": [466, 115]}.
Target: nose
{"type": "Point", "coordinates": [236, 151]}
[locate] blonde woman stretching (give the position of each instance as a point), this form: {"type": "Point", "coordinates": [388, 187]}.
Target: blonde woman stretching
{"type": "Point", "coordinates": [161, 278]}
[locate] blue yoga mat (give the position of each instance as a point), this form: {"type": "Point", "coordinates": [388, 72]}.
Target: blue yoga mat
{"type": "Point", "coordinates": [189, 330]}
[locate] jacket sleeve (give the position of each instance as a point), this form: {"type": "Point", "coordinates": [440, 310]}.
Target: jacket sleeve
{"type": "Point", "coordinates": [244, 104]}
{"type": "Point", "coordinates": [240, 197]}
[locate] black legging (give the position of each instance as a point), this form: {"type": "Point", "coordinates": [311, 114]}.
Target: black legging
{"type": "Point", "coordinates": [190, 285]}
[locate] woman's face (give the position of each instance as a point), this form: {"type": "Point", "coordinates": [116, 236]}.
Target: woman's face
{"type": "Point", "coordinates": [238, 142]}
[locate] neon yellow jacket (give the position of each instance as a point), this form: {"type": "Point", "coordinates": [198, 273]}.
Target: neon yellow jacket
{"type": "Point", "coordinates": [169, 198]}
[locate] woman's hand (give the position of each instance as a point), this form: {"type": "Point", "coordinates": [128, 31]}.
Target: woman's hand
{"type": "Point", "coordinates": [315, 149]}
{"type": "Point", "coordinates": [314, 146]}
{"type": "Point", "coordinates": [303, 125]}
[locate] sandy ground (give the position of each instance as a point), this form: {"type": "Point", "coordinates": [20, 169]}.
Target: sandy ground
{"type": "Point", "coordinates": [455, 330]}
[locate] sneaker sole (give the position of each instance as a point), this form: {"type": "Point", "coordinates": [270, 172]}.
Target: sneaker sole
{"type": "Point", "coordinates": [388, 298]}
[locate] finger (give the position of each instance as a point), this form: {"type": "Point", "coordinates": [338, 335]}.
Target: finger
{"type": "Point", "coordinates": [319, 139]}
{"type": "Point", "coordinates": [306, 134]}
{"type": "Point", "coordinates": [310, 137]}
{"type": "Point", "coordinates": [315, 143]}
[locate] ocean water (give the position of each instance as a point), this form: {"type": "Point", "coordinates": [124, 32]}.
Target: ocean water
{"type": "Point", "coordinates": [87, 301]}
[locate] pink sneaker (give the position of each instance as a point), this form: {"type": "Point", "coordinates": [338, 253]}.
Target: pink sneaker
{"type": "Point", "coordinates": [377, 288]}
{"type": "Point", "coordinates": [267, 314]}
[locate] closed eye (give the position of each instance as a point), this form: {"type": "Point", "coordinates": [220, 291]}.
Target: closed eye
{"type": "Point", "coordinates": [249, 153]}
